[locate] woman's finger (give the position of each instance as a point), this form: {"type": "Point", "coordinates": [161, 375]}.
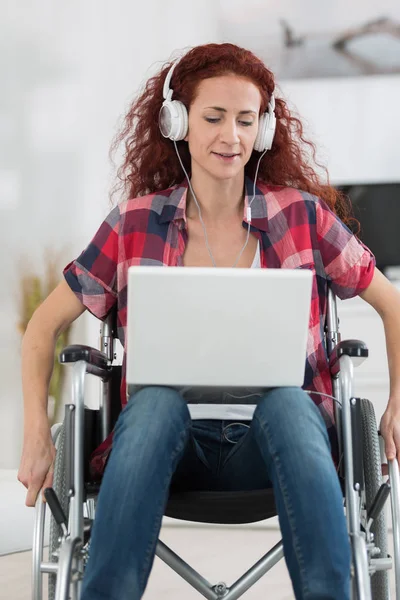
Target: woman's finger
{"type": "Point", "coordinates": [48, 482]}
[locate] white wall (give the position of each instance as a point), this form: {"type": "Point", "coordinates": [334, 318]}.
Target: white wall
{"type": "Point", "coordinates": [40, 175]}
{"type": "Point", "coordinates": [354, 122]}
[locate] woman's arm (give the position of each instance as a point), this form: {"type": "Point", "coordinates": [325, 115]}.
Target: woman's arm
{"type": "Point", "coordinates": [385, 298]}
{"type": "Point", "coordinates": [54, 315]}
{"type": "Point", "coordinates": [50, 319]}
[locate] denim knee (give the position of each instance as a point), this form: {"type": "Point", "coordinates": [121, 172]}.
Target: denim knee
{"type": "Point", "coordinates": [156, 408]}
{"type": "Point", "coordinates": [292, 412]}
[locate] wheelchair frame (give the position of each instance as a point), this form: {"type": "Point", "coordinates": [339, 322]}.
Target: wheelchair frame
{"type": "Point", "coordinates": [70, 565]}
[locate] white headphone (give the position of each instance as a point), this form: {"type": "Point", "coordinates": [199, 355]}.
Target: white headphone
{"type": "Point", "coordinates": [173, 118]}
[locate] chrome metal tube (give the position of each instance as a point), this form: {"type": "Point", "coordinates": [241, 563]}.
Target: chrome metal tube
{"type": "Point", "coordinates": [106, 346]}
{"type": "Point", "coordinates": [185, 571]}
{"type": "Point", "coordinates": [37, 548]}
{"type": "Point", "coordinates": [352, 505]}
{"type": "Point", "coordinates": [332, 333]}
{"type": "Point", "coordinates": [255, 572]}
{"type": "Point", "coordinates": [67, 551]}
{"type": "Point", "coordinates": [204, 587]}
{"type": "Point", "coordinates": [49, 568]}
{"type": "Point", "coordinates": [394, 479]}
{"type": "Point", "coordinates": [106, 339]}
{"type": "Point", "coordinates": [76, 503]}
{"type": "Point", "coordinates": [76, 523]}
{"type": "Point", "coordinates": [360, 561]}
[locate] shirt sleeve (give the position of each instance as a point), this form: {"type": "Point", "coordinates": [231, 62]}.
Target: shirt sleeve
{"type": "Point", "coordinates": [93, 275]}
{"type": "Point", "coordinates": [348, 263]}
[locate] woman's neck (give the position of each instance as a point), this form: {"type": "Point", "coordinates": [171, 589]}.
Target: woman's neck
{"type": "Point", "coordinates": [219, 200]}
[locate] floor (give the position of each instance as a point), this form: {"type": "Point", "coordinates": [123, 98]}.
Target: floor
{"type": "Point", "coordinates": [219, 555]}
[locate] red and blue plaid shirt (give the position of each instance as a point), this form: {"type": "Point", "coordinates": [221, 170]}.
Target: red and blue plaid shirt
{"type": "Point", "coordinates": [296, 230]}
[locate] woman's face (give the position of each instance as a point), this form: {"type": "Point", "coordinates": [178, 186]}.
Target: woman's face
{"type": "Point", "coordinates": [223, 122]}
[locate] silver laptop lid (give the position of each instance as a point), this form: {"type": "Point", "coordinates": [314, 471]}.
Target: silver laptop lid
{"type": "Point", "coordinates": [191, 326]}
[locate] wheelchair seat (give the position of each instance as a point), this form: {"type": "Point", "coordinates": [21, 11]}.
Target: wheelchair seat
{"type": "Point", "coordinates": [226, 508]}
{"type": "Point", "coordinates": [215, 507]}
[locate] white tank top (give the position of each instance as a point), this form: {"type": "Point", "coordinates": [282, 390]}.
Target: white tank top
{"type": "Point", "coordinates": [227, 412]}
{"type": "Point", "coordinates": [257, 258]}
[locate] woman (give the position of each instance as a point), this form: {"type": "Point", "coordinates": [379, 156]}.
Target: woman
{"type": "Point", "coordinates": [195, 200]}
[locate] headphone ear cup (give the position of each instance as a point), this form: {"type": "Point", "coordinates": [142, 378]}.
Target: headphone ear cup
{"type": "Point", "coordinates": [173, 120]}
{"type": "Point", "coordinates": [259, 144]}
{"type": "Point", "coordinates": [266, 132]}
{"type": "Point", "coordinates": [183, 121]}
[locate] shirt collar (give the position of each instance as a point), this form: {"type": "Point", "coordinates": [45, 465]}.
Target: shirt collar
{"type": "Point", "coordinates": [174, 208]}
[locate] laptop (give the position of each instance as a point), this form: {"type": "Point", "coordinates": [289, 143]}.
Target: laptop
{"type": "Point", "coordinates": [215, 328]}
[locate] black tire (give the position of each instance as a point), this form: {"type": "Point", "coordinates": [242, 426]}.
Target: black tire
{"type": "Point", "coordinates": [373, 481]}
{"type": "Point", "coordinates": [60, 487]}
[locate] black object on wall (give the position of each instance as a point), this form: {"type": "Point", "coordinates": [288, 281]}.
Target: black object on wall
{"type": "Point", "coordinates": [377, 208]}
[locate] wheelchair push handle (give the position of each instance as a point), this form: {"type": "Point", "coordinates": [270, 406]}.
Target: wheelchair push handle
{"type": "Point", "coordinates": [55, 507]}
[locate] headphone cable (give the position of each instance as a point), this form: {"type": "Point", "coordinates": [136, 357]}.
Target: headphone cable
{"type": "Point", "coordinates": [200, 215]}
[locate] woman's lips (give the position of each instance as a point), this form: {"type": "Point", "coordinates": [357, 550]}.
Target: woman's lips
{"type": "Point", "coordinates": [226, 157]}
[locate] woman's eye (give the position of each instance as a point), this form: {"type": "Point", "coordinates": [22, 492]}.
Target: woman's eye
{"type": "Point", "coordinates": [217, 119]}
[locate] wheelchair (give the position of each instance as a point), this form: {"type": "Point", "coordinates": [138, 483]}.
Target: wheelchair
{"type": "Point", "coordinates": [73, 497]}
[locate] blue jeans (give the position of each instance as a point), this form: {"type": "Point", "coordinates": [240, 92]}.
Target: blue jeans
{"type": "Point", "coordinates": [158, 447]}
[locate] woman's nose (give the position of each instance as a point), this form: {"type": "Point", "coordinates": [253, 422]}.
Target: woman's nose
{"type": "Point", "coordinates": [229, 133]}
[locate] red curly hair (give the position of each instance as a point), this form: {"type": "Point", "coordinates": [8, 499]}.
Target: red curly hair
{"type": "Point", "coordinates": [150, 163]}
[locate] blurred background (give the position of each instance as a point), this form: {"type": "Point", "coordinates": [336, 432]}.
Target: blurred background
{"type": "Point", "coordinates": [313, 39]}
{"type": "Point", "coordinates": [69, 70]}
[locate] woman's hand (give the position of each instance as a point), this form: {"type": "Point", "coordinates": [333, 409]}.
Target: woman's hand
{"type": "Point", "coordinates": [37, 462]}
{"type": "Point", "coordinates": [390, 431]}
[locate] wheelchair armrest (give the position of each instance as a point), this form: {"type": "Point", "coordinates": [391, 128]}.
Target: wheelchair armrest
{"type": "Point", "coordinates": [76, 352]}
{"type": "Point", "coordinates": [356, 349]}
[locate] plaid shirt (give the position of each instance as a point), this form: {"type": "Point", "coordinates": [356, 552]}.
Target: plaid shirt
{"type": "Point", "coordinates": [296, 230]}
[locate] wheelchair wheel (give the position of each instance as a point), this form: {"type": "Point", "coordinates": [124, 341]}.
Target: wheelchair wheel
{"type": "Point", "coordinates": [373, 481]}
{"type": "Point", "coordinates": [59, 486]}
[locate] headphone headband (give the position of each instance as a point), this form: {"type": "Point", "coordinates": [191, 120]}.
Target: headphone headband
{"type": "Point", "coordinates": [166, 89]}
